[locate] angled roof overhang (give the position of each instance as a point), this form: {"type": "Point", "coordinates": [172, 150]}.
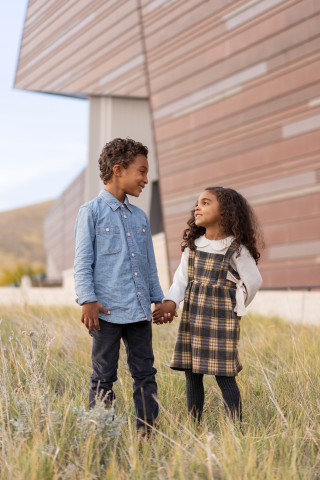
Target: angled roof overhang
{"type": "Point", "coordinates": [80, 48]}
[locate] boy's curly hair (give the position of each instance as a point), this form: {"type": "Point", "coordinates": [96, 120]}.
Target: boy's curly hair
{"type": "Point", "coordinates": [237, 219]}
{"type": "Point", "coordinates": [120, 151]}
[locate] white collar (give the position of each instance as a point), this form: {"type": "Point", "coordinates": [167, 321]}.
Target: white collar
{"type": "Point", "coordinates": [203, 241]}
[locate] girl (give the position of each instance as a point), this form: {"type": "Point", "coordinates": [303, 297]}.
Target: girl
{"type": "Point", "coordinates": [217, 278]}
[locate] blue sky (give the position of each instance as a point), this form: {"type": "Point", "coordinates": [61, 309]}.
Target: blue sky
{"type": "Point", "coordinates": [43, 137]}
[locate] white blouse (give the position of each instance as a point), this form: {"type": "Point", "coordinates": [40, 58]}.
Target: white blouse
{"type": "Point", "coordinates": [250, 278]}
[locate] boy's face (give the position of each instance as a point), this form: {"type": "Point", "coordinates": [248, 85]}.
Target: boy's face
{"type": "Point", "coordinates": [134, 178]}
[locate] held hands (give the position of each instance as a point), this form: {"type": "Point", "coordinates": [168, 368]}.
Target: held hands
{"type": "Point", "coordinates": [90, 312]}
{"type": "Point", "coordinates": [164, 312]}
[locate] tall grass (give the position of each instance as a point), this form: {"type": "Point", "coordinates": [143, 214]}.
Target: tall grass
{"type": "Point", "coordinates": [46, 431]}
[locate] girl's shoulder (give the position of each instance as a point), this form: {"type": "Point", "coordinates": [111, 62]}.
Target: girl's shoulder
{"type": "Point", "coordinates": [185, 253]}
{"type": "Point", "coordinates": [243, 257]}
{"type": "Point", "coordinates": [244, 252]}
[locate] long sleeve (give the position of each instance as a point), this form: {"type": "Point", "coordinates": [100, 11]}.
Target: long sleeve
{"type": "Point", "coordinates": [84, 256]}
{"type": "Point", "coordinates": [249, 273]}
{"type": "Point", "coordinates": [180, 281]}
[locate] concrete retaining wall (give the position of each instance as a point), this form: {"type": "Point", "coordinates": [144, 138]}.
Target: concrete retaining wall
{"type": "Point", "coordinates": [294, 306]}
{"type": "Point", "coordinates": [26, 294]}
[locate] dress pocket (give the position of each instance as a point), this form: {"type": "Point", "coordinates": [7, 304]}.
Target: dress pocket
{"type": "Point", "coordinates": [108, 239]}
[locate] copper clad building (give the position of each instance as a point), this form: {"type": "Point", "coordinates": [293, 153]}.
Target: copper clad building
{"type": "Point", "coordinates": [225, 93]}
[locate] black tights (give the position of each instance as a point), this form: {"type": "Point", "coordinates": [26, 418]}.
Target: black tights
{"type": "Point", "coordinates": [195, 395]}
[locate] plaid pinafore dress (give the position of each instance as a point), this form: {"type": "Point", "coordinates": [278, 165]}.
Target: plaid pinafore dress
{"type": "Point", "coordinates": [209, 330]}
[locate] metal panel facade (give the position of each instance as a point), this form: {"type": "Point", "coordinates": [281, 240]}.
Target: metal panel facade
{"type": "Point", "coordinates": [79, 48]}
{"type": "Point", "coordinates": [235, 96]}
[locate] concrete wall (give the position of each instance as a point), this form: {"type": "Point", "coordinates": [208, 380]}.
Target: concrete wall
{"type": "Point", "coordinates": [294, 306]}
{"type": "Point", "coordinates": [26, 294]}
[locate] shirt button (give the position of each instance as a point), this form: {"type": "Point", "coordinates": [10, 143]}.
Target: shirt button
{"type": "Point", "coordinates": [122, 206]}
{"type": "Point", "coordinates": [132, 254]}
{"type": "Point", "coordinates": [139, 293]}
{"type": "Point", "coordinates": [128, 234]}
{"type": "Point", "coordinates": [124, 216]}
{"type": "Point", "coordinates": [107, 229]}
{"type": "Point", "coordinates": [143, 230]}
{"type": "Point", "coordinates": [136, 274]}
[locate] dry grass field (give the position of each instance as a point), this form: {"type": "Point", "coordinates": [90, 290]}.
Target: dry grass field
{"type": "Point", "coordinates": [46, 431]}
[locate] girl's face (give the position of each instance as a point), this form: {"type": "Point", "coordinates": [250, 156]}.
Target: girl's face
{"type": "Point", "coordinates": [207, 211]}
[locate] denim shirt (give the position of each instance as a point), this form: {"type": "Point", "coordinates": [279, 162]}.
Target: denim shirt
{"type": "Point", "coordinates": [114, 259]}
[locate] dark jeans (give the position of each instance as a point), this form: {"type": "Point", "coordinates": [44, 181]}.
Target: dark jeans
{"type": "Point", "coordinates": [137, 338]}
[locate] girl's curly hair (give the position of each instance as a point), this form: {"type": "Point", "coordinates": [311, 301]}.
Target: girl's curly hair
{"type": "Point", "coordinates": [120, 151]}
{"type": "Point", "coordinates": [237, 219]}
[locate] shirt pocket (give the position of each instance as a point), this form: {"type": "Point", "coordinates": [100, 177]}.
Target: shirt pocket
{"type": "Point", "coordinates": [140, 235]}
{"type": "Point", "coordinates": [108, 239]}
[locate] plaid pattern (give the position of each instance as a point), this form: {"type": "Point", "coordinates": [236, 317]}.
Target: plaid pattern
{"type": "Point", "coordinates": [209, 330]}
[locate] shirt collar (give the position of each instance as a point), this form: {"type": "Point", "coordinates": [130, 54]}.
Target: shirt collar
{"type": "Point", "coordinates": [113, 202]}
{"type": "Point", "coordinates": [203, 241]}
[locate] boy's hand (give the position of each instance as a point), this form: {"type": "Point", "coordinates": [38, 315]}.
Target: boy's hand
{"type": "Point", "coordinates": [164, 312]}
{"type": "Point", "coordinates": [90, 312]}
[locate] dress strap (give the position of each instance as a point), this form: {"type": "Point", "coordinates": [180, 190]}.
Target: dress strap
{"type": "Point", "coordinates": [225, 264]}
{"type": "Point", "coordinates": [232, 248]}
{"type": "Point", "coordinates": [191, 264]}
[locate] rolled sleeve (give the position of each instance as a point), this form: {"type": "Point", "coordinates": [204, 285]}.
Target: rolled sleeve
{"type": "Point", "coordinates": [84, 256]}
{"type": "Point", "coordinates": [180, 281]}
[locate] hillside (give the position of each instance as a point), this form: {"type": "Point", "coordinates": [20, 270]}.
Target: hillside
{"type": "Point", "coordinates": [21, 239]}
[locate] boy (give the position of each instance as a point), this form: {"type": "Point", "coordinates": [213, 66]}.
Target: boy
{"type": "Point", "coordinates": [116, 278]}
